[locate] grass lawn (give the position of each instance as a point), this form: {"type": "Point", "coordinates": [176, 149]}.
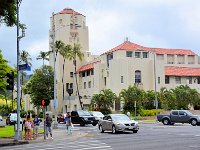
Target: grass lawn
{"type": "Point", "coordinates": [8, 131]}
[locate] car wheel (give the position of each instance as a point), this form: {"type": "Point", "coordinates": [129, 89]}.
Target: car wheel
{"type": "Point", "coordinates": [193, 122]}
{"type": "Point", "coordinates": [82, 124]}
{"type": "Point", "coordinates": [135, 131]}
{"type": "Point", "coordinates": [166, 121]}
{"type": "Point", "coordinates": [101, 129]}
{"type": "Point", "coordinates": [114, 129]}
{"type": "Point", "coordinates": [7, 122]}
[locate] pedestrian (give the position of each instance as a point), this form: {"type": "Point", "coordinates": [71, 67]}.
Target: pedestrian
{"type": "Point", "coordinates": [68, 123]}
{"type": "Point", "coordinates": [29, 126]}
{"type": "Point", "coordinates": [48, 126]}
{"type": "Point", "coordinates": [25, 128]}
{"type": "Point", "coordinates": [36, 122]}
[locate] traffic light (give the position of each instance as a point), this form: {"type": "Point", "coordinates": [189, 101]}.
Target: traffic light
{"type": "Point", "coordinates": [10, 80]}
{"type": "Point", "coordinates": [45, 102]}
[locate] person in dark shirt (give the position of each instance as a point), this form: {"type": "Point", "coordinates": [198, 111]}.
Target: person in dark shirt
{"type": "Point", "coordinates": [36, 122]}
{"type": "Point", "coordinates": [48, 126]}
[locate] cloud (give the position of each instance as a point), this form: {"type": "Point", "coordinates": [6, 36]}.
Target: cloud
{"type": "Point", "coordinates": [35, 47]}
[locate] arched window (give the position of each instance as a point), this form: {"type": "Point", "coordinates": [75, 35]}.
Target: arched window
{"type": "Point", "coordinates": [137, 76]}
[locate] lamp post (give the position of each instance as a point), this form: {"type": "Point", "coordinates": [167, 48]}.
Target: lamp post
{"type": "Point", "coordinates": [18, 133]}
{"type": "Point", "coordinates": [155, 82]}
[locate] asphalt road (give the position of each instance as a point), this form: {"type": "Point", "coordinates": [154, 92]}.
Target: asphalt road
{"type": "Point", "coordinates": [149, 137]}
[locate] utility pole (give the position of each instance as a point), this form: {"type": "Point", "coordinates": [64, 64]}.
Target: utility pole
{"type": "Point", "coordinates": [55, 94]}
{"type": "Point", "coordinates": [155, 82]}
{"type": "Point", "coordinates": [18, 133]}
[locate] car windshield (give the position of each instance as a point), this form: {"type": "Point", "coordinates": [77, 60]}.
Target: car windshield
{"type": "Point", "coordinates": [120, 118]}
{"type": "Point", "coordinates": [97, 113]}
{"type": "Point", "coordinates": [189, 113]}
{"type": "Point", "coordinates": [83, 113]}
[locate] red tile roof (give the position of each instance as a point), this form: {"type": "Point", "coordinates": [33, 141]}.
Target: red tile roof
{"type": "Point", "coordinates": [127, 45]}
{"type": "Point", "coordinates": [68, 11]}
{"type": "Point", "coordinates": [182, 71]}
{"type": "Point", "coordinates": [88, 66]}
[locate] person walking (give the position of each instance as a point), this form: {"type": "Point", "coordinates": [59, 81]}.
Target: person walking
{"type": "Point", "coordinates": [36, 122]}
{"type": "Point", "coordinates": [29, 125]}
{"type": "Point", "coordinates": [48, 126]}
{"type": "Point", "coordinates": [68, 123]}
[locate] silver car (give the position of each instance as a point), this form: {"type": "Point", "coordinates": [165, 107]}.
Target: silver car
{"type": "Point", "coordinates": [118, 122]}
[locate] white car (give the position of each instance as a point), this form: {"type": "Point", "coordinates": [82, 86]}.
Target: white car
{"type": "Point", "coordinates": [12, 119]}
{"type": "Point", "coordinates": [97, 114]}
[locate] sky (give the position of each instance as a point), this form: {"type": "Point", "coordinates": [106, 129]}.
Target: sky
{"type": "Point", "coordinates": [150, 23]}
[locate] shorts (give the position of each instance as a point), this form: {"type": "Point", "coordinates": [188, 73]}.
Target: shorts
{"type": "Point", "coordinates": [48, 130]}
{"type": "Point", "coordinates": [35, 129]}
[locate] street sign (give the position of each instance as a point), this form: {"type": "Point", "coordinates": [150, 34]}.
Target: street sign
{"type": "Point", "coordinates": [25, 67]}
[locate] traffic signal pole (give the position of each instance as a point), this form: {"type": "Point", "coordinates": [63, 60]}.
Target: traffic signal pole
{"type": "Point", "coordinates": [18, 134]}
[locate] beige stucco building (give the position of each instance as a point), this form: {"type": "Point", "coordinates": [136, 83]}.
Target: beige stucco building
{"type": "Point", "coordinates": [116, 69]}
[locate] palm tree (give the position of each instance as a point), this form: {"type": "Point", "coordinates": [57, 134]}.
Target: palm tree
{"type": "Point", "coordinates": [24, 58]}
{"type": "Point", "coordinates": [65, 53]}
{"type": "Point", "coordinates": [43, 56]}
{"type": "Point", "coordinates": [76, 52]}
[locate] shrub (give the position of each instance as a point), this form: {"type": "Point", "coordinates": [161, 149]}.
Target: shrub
{"type": "Point", "coordinates": [149, 112]}
{"type": "Point", "coordinates": [41, 115]}
{"type": "Point", "coordinates": [23, 113]}
{"type": "Point", "coordinates": [31, 111]}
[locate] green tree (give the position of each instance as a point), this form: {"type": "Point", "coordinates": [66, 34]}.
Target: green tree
{"type": "Point", "coordinates": [8, 12]}
{"type": "Point", "coordinates": [76, 53]}
{"type": "Point", "coordinates": [4, 69]}
{"type": "Point", "coordinates": [104, 101]}
{"type": "Point", "coordinates": [43, 56]}
{"type": "Point", "coordinates": [40, 85]}
{"type": "Point", "coordinates": [65, 52]}
{"type": "Point", "coordinates": [129, 96]}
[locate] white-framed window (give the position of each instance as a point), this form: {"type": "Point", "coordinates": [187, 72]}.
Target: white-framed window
{"type": "Point", "coordinates": [122, 79]}
{"type": "Point", "coordinates": [71, 74]}
{"type": "Point", "coordinates": [137, 54]}
{"type": "Point", "coordinates": [178, 79]}
{"type": "Point", "coordinates": [89, 84]}
{"type": "Point", "coordinates": [129, 53]}
{"type": "Point", "coordinates": [84, 85]}
{"type": "Point", "coordinates": [145, 54]}
{"type": "Point", "coordinates": [137, 76]}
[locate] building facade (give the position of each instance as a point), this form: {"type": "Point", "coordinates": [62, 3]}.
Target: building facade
{"type": "Point", "coordinates": [124, 65]}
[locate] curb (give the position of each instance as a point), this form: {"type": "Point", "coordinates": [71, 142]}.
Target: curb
{"type": "Point", "coordinates": [13, 143]}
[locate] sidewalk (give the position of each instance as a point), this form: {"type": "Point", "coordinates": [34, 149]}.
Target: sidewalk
{"type": "Point", "coordinates": [57, 134]}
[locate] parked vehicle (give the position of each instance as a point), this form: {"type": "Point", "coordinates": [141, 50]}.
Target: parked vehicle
{"type": "Point", "coordinates": [83, 117]}
{"type": "Point", "coordinates": [12, 119]}
{"type": "Point", "coordinates": [179, 116]}
{"type": "Point", "coordinates": [61, 118]}
{"type": "Point", "coordinates": [118, 122]}
{"type": "Point", "coordinates": [97, 114]}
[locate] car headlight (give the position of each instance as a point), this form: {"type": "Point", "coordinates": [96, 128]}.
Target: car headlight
{"type": "Point", "coordinates": [118, 124]}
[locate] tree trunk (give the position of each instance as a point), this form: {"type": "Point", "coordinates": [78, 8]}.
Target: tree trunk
{"type": "Point", "coordinates": [77, 85]}
{"type": "Point", "coordinates": [63, 79]}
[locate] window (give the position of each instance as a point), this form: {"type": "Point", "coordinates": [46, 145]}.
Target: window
{"type": "Point", "coordinates": [83, 74]}
{"type": "Point", "coordinates": [71, 74]}
{"type": "Point", "coordinates": [145, 54]}
{"type": "Point", "coordinates": [137, 76]}
{"type": "Point", "coordinates": [166, 79]}
{"type": "Point", "coordinates": [189, 80]}
{"type": "Point", "coordinates": [71, 85]}
{"type": "Point", "coordinates": [137, 54]}
{"type": "Point", "coordinates": [122, 79]}
{"type": "Point", "coordinates": [178, 80]}
{"type": "Point", "coordinates": [109, 57]}
{"type": "Point", "coordinates": [129, 54]}
{"type": "Point", "coordinates": [67, 86]}
{"type": "Point", "coordinates": [92, 72]}
{"type": "Point", "coordinates": [89, 84]}
{"type": "Point", "coordinates": [158, 80]}
{"type": "Point", "coordinates": [84, 85]}
{"type": "Point", "coordinates": [175, 113]}
{"type": "Point", "coordinates": [182, 113]}
{"type": "Point", "coordinates": [88, 72]}
{"type": "Point", "coordinates": [198, 80]}
{"type": "Point", "coordinates": [105, 81]}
